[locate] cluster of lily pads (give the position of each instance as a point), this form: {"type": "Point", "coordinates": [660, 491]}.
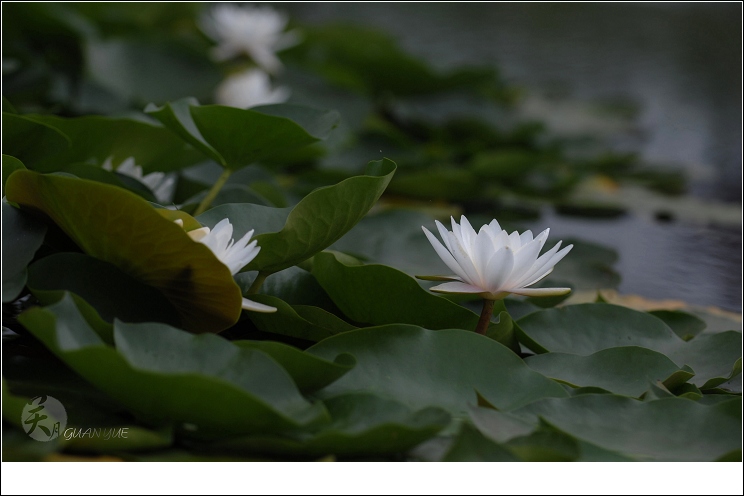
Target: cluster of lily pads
{"type": "Point", "coordinates": [112, 305]}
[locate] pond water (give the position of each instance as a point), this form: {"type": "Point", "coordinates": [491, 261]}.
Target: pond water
{"type": "Point", "coordinates": [678, 66]}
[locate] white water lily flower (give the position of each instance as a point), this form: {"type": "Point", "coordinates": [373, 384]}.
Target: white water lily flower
{"type": "Point", "coordinates": [494, 263]}
{"type": "Point", "coordinates": [255, 31]}
{"type": "Point", "coordinates": [248, 89]}
{"type": "Point", "coordinates": [162, 186]}
{"type": "Point", "coordinates": [235, 255]}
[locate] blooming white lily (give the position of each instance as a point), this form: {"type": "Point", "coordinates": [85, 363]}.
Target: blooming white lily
{"type": "Point", "coordinates": [162, 186]}
{"type": "Point", "coordinates": [250, 88]}
{"type": "Point", "coordinates": [235, 255]}
{"type": "Point", "coordinates": [255, 31]}
{"type": "Point", "coordinates": [494, 263]}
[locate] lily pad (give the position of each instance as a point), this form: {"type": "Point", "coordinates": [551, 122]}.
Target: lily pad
{"type": "Point", "coordinates": [22, 236]}
{"type": "Point", "coordinates": [96, 138]}
{"type": "Point", "coordinates": [588, 328]}
{"type": "Point", "coordinates": [10, 165]}
{"type": "Point", "coordinates": [309, 372]}
{"type": "Point", "coordinates": [303, 322]}
{"type": "Point", "coordinates": [118, 227]}
{"type": "Point", "coordinates": [112, 292]}
{"type": "Point", "coordinates": [236, 137]}
{"type": "Point", "coordinates": [315, 223]}
{"type": "Point", "coordinates": [684, 325]}
{"type": "Point", "coordinates": [165, 375]}
{"type": "Point", "coordinates": [29, 140]}
{"type": "Point", "coordinates": [422, 368]}
{"type": "Point", "coordinates": [362, 424]}
{"type": "Point", "coordinates": [378, 295]}
{"type": "Point", "coordinates": [669, 429]}
{"type": "Point", "coordinates": [626, 370]}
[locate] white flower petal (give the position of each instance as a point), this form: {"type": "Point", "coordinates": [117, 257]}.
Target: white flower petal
{"type": "Point", "coordinates": [524, 259]}
{"type": "Point", "coordinates": [445, 255]}
{"type": "Point", "coordinates": [468, 236]}
{"type": "Point", "coordinates": [499, 268]}
{"type": "Point", "coordinates": [456, 287]}
{"type": "Point", "coordinates": [444, 234]}
{"type": "Point", "coordinates": [255, 306]}
{"type": "Point", "coordinates": [469, 272]}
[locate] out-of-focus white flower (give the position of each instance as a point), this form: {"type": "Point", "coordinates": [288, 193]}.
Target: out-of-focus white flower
{"type": "Point", "coordinates": [162, 186]}
{"type": "Point", "coordinates": [235, 255]}
{"type": "Point", "coordinates": [248, 89]}
{"type": "Point", "coordinates": [494, 263]}
{"type": "Point", "coordinates": [255, 31]}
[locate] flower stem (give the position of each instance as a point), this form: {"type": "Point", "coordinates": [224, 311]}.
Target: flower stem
{"type": "Point", "coordinates": [485, 317]}
{"type": "Point", "coordinates": [216, 187]}
{"type": "Point", "coordinates": [258, 282]}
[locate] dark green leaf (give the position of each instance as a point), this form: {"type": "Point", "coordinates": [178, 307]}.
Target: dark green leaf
{"type": "Point", "coordinates": [236, 137]}
{"type": "Point", "coordinates": [118, 227]}
{"type": "Point", "coordinates": [669, 429]}
{"type": "Point", "coordinates": [10, 165]}
{"type": "Point", "coordinates": [165, 375]}
{"type": "Point", "coordinates": [443, 368]}
{"type": "Point", "coordinates": [684, 325]}
{"type": "Point", "coordinates": [112, 292]}
{"type": "Point", "coordinates": [320, 219]}
{"type": "Point", "coordinates": [625, 370]}
{"type": "Point", "coordinates": [303, 322]}
{"type": "Point", "coordinates": [93, 139]}
{"type": "Point", "coordinates": [472, 446]}
{"type": "Point", "coordinates": [22, 236]}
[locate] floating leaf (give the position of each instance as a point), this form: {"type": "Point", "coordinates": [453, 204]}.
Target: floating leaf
{"type": "Point", "coordinates": [22, 236]}
{"type": "Point", "coordinates": [378, 295]}
{"type": "Point", "coordinates": [316, 222]}
{"type": "Point", "coordinates": [472, 446]}
{"type": "Point", "coordinates": [236, 137]}
{"type": "Point", "coordinates": [10, 165]}
{"type": "Point", "coordinates": [362, 424]}
{"type": "Point", "coordinates": [669, 429]}
{"type": "Point", "coordinates": [588, 328]}
{"type": "Point", "coordinates": [303, 322]}
{"type": "Point", "coordinates": [684, 325]}
{"type": "Point", "coordinates": [118, 227]}
{"type": "Point", "coordinates": [168, 376]}
{"type": "Point", "coordinates": [309, 372]}
{"type": "Point", "coordinates": [112, 292]}
{"type": "Point", "coordinates": [625, 370]}
{"type": "Point", "coordinates": [443, 368]}
{"type": "Point", "coordinates": [95, 138]}
{"type": "Point", "coordinates": [30, 140]}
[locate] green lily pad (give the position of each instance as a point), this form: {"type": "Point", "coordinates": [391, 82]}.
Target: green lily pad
{"type": "Point", "coordinates": [29, 140]}
{"type": "Point", "coordinates": [684, 325]}
{"type": "Point", "coordinates": [669, 429]}
{"type": "Point", "coordinates": [362, 424]}
{"type": "Point", "coordinates": [588, 328]}
{"type": "Point", "coordinates": [165, 375]}
{"type": "Point", "coordinates": [443, 368]}
{"type": "Point", "coordinates": [303, 322]}
{"type": "Point", "coordinates": [471, 446]}
{"type": "Point", "coordinates": [625, 370]}
{"type": "Point", "coordinates": [22, 236]}
{"type": "Point", "coordinates": [236, 137]}
{"type": "Point", "coordinates": [95, 138]}
{"type": "Point", "coordinates": [316, 222]}
{"type": "Point", "coordinates": [112, 292]}
{"type": "Point", "coordinates": [379, 295]}
{"type": "Point", "coordinates": [118, 227]}
{"type": "Point", "coordinates": [10, 165]}
{"type": "Point", "coordinates": [309, 372]}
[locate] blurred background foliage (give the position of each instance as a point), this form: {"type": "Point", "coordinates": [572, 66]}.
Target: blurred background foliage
{"type": "Point", "coordinates": [466, 135]}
